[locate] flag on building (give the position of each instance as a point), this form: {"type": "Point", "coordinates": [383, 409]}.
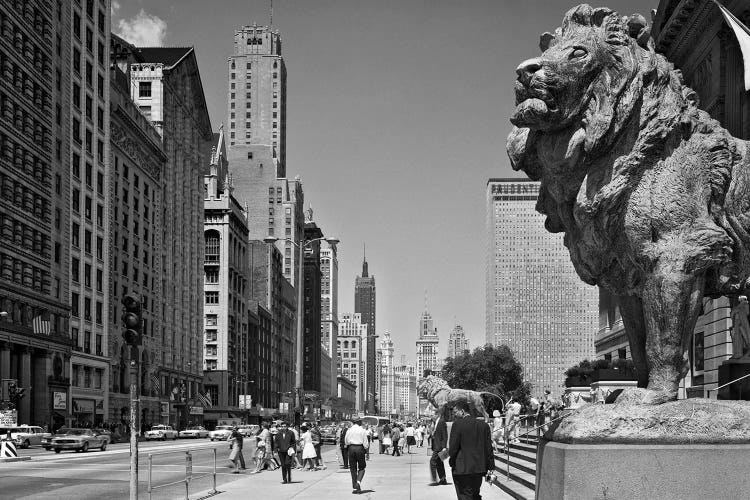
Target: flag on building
{"type": "Point", "coordinates": [41, 325]}
{"type": "Point", "coordinates": [742, 33]}
{"type": "Point", "coordinates": [155, 384]}
{"type": "Point", "coordinates": [204, 400]}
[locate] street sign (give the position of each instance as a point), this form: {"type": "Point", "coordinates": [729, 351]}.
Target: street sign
{"type": "Point", "coordinates": [189, 467]}
{"type": "Point", "coordinates": [8, 417]}
{"type": "Point", "coordinates": [246, 401]}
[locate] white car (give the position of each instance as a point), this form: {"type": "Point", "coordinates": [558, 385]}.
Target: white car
{"type": "Point", "coordinates": [221, 433]}
{"type": "Point", "coordinates": [25, 435]}
{"type": "Point", "coordinates": [249, 430]}
{"type": "Point", "coordinates": [197, 431]}
{"type": "Point", "coordinates": [162, 432]}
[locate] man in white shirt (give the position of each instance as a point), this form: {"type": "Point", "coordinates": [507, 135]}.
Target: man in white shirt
{"type": "Point", "coordinates": [356, 440]}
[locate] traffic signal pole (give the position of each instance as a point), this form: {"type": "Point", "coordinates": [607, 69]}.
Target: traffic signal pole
{"type": "Point", "coordinates": [134, 358]}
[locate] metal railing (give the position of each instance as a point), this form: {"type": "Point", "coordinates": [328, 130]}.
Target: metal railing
{"type": "Point", "coordinates": [708, 391]}
{"type": "Point", "coordinates": [189, 476]}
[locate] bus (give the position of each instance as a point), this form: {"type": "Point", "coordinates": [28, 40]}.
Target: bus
{"type": "Point", "coordinates": [376, 423]}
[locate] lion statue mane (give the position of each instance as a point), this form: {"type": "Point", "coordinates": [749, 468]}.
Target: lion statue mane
{"type": "Point", "coordinates": [441, 396]}
{"type": "Point", "coordinates": [653, 195]}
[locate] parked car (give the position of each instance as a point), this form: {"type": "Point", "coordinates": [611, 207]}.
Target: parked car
{"type": "Point", "coordinates": [162, 432]}
{"type": "Point", "coordinates": [25, 435]}
{"type": "Point", "coordinates": [221, 433]}
{"type": "Point", "coordinates": [196, 431]}
{"type": "Point", "coordinates": [79, 440]}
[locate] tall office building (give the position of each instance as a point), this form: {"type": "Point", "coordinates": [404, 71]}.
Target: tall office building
{"type": "Point", "coordinates": [458, 344]}
{"type": "Point", "coordinates": [364, 304]}
{"type": "Point", "coordinates": [536, 303]}
{"type": "Point", "coordinates": [351, 353]}
{"type": "Point", "coordinates": [312, 297]}
{"type": "Point", "coordinates": [388, 401]}
{"type": "Point", "coordinates": [167, 88]}
{"type": "Point", "coordinates": [329, 307]}
{"type": "Point", "coordinates": [256, 100]}
{"type": "Point", "coordinates": [35, 139]}
{"type": "Point", "coordinates": [427, 344]}
{"type": "Point", "coordinates": [405, 390]}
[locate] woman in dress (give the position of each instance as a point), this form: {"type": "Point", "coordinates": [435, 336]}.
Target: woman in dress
{"type": "Point", "coordinates": [419, 435]}
{"type": "Point", "coordinates": [410, 441]}
{"type": "Point", "coordinates": [308, 449]}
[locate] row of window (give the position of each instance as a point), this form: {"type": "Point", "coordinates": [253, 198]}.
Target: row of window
{"type": "Point", "coordinates": [75, 311]}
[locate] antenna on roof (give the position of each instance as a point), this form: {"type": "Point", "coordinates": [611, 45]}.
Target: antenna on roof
{"type": "Point", "coordinates": [271, 13]}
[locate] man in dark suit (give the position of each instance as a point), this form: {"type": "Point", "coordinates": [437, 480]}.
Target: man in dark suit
{"type": "Point", "coordinates": [284, 440]}
{"type": "Point", "coordinates": [439, 447]}
{"type": "Point", "coordinates": [470, 448]}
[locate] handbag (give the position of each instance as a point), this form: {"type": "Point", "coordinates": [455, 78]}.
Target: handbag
{"type": "Point", "coordinates": [291, 451]}
{"type": "Point", "coordinates": [387, 441]}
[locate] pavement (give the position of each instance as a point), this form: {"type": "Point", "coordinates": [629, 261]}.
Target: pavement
{"type": "Point", "coordinates": [386, 477]}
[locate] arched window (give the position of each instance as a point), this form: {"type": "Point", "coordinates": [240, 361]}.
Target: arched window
{"type": "Point", "coordinates": [354, 344]}
{"type": "Point", "coordinates": [346, 344]}
{"type": "Point", "coordinates": [213, 248]}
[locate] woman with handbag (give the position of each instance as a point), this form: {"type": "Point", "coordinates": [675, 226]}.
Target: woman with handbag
{"type": "Point", "coordinates": [308, 449]}
{"type": "Point", "coordinates": [235, 450]}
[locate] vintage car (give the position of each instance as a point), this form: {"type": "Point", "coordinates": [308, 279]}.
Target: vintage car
{"type": "Point", "coordinates": [328, 434]}
{"type": "Point", "coordinates": [196, 431]}
{"type": "Point", "coordinates": [221, 433]}
{"type": "Point", "coordinates": [162, 432]}
{"type": "Point", "coordinates": [25, 435]}
{"type": "Point", "coordinates": [79, 440]}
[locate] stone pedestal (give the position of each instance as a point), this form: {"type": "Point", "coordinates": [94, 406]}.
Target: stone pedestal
{"type": "Point", "coordinates": [576, 396]}
{"type": "Point", "coordinates": [732, 369]}
{"type": "Point", "coordinates": [642, 471]}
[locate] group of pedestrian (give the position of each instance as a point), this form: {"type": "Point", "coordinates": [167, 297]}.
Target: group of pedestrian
{"type": "Point", "coordinates": [468, 450]}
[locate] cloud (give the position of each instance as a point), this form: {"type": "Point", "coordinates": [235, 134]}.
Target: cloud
{"type": "Point", "coordinates": [115, 8]}
{"type": "Point", "coordinates": [143, 30]}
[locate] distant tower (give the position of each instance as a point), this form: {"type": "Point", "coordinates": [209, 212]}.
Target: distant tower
{"type": "Point", "coordinates": [427, 344]}
{"type": "Point", "coordinates": [352, 365]}
{"type": "Point", "coordinates": [458, 344]}
{"type": "Point", "coordinates": [364, 304]}
{"type": "Point", "coordinates": [388, 400]}
{"type": "Point", "coordinates": [536, 303]}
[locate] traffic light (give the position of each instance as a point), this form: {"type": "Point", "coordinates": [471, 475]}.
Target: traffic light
{"type": "Point", "coordinates": [132, 319]}
{"type": "Point", "coordinates": [10, 386]}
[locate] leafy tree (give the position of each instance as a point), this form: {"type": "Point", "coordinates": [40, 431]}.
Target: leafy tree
{"type": "Point", "coordinates": [489, 369]}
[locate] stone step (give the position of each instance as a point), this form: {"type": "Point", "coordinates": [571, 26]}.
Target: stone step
{"type": "Point", "coordinates": [516, 490]}
{"type": "Point", "coordinates": [517, 474]}
{"type": "Point", "coordinates": [523, 453]}
{"type": "Point", "coordinates": [522, 465]}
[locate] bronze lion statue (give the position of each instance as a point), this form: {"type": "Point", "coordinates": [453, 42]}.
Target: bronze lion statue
{"type": "Point", "coordinates": [653, 195]}
{"type": "Point", "coordinates": [441, 396]}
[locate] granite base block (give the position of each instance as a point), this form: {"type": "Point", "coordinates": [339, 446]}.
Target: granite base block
{"type": "Point", "coordinates": [642, 471]}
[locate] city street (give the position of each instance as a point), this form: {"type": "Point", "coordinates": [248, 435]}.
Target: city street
{"type": "Point", "coordinates": [105, 475]}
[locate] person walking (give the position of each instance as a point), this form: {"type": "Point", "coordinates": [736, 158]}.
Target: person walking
{"type": "Point", "coordinates": [470, 452]}
{"type": "Point", "coordinates": [308, 449]}
{"type": "Point", "coordinates": [286, 445]}
{"type": "Point", "coordinates": [342, 445]}
{"type": "Point", "coordinates": [356, 440]}
{"type": "Point", "coordinates": [410, 441]}
{"type": "Point", "coordinates": [317, 441]}
{"type": "Point", "coordinates": [368, 431]}
{"type": "Point", "coordinates": [439, 451]}
{"type": "Point", "coordinates": [419, 435]}
{"type": "Point", "coordinates": [395, 439]}
{"type": "Point", "coordinates": [235, 455]}
{"type": "Point", "coordinates": [385, 439]}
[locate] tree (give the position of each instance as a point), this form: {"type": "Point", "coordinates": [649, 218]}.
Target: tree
{"type": "Point", "coordinates": [489, 369]}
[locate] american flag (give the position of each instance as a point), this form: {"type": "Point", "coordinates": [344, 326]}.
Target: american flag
{"type": "Point", "coordinates": [41, 325]}
{"type": "Point", "coordinates": [155, 385]}
{"type": "Point", "coordinates": [204, 400]}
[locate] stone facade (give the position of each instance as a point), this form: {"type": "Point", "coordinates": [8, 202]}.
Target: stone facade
{"type": "Point", "coordinates": [458, 344]}
{"type": "Point", "coordinates": [329, 308]}
{"type": "Point", "coordinates": [167, 88]}
{"type": "Point", "coordinates": [351, 353]}
{"type": "Point", "coordinates": [364, 304]}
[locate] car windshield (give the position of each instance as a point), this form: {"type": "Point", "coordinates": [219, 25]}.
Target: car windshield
{"type": "Point", "coordinates": [158, 428]}
{"type": "Point", "coordinates": [224, 428]}
{"type": "Point", "coordinates": [196, 428]}
{"type": "Point", "coordinates": [62, 430]}
{"type": "Point", "coordinates": [5, 430]}
{"type": "Point", "coordinates": [78, 432]}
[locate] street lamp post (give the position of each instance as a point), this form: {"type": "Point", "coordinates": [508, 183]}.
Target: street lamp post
{"type": "Point", "coordinates": [300, 308]}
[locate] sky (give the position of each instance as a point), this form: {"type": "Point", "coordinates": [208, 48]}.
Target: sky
{"type": "Point", "coordinates": [397, 117]}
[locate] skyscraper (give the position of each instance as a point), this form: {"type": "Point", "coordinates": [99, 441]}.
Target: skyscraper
{"type": "Point", "coordinates": [329, 306]}
{"type": "Point", "coordinates": [364, 304]}
{"type": "Point", "coordinates": [427, 344]}
{"type": "Point", "coordinates": [388, 401]}
{"type": "Point", "coordinates": [457, 342]}
{"type": "Point", "coordinates": [351, 350]}
{"type": "Point", "coordinates": [536, 303]}
{"type": "Point", "coordinates": [256, 99]}
{"type": "Point", "coordinates": [311, 317]}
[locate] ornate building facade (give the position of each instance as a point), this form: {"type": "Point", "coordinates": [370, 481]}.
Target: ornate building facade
{"type": "Point", "coordinates": [364, 304]}
{"type": "Point", "coordinates": [428, 345]}
{"type": "Point", "coordinates": [351, 353]}
{"type": "Point", "coordinates": [329, 309]}
{"type": "Point", "coordinates": [458, 344]}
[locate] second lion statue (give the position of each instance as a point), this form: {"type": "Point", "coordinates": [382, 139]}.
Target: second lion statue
{"type": "Point", "coordinates": [653, 195]}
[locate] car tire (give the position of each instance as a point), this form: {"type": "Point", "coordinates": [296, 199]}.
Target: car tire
{"type": "Point", "coordinates": [47, 448]}
{"type": "Point", "coordinates": [85, 447]}
{"type": "Point", "coordinates": [57, 450]}
{"type": "Point", "coordinates": [104, 446]}
{"type": "Point", "coordinates": [25, 444]}
{"type": "Point", "coordinates": [211, 439]}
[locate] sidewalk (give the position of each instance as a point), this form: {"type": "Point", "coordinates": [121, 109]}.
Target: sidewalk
{"type": "Point", "coordinates": [386, 477]}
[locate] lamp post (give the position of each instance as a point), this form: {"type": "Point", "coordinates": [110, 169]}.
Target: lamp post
{"type": "Point", "coordinates": [300, 308]}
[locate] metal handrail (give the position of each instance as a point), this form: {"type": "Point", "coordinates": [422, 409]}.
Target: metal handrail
{"type": "Point", "coordinates": [728, 383]}
{"type": "Point", "coordinates": [189, 476]}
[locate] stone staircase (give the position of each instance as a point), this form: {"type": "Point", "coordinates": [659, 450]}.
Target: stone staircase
{"type": "Point", "coordinates": [515, 473]}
